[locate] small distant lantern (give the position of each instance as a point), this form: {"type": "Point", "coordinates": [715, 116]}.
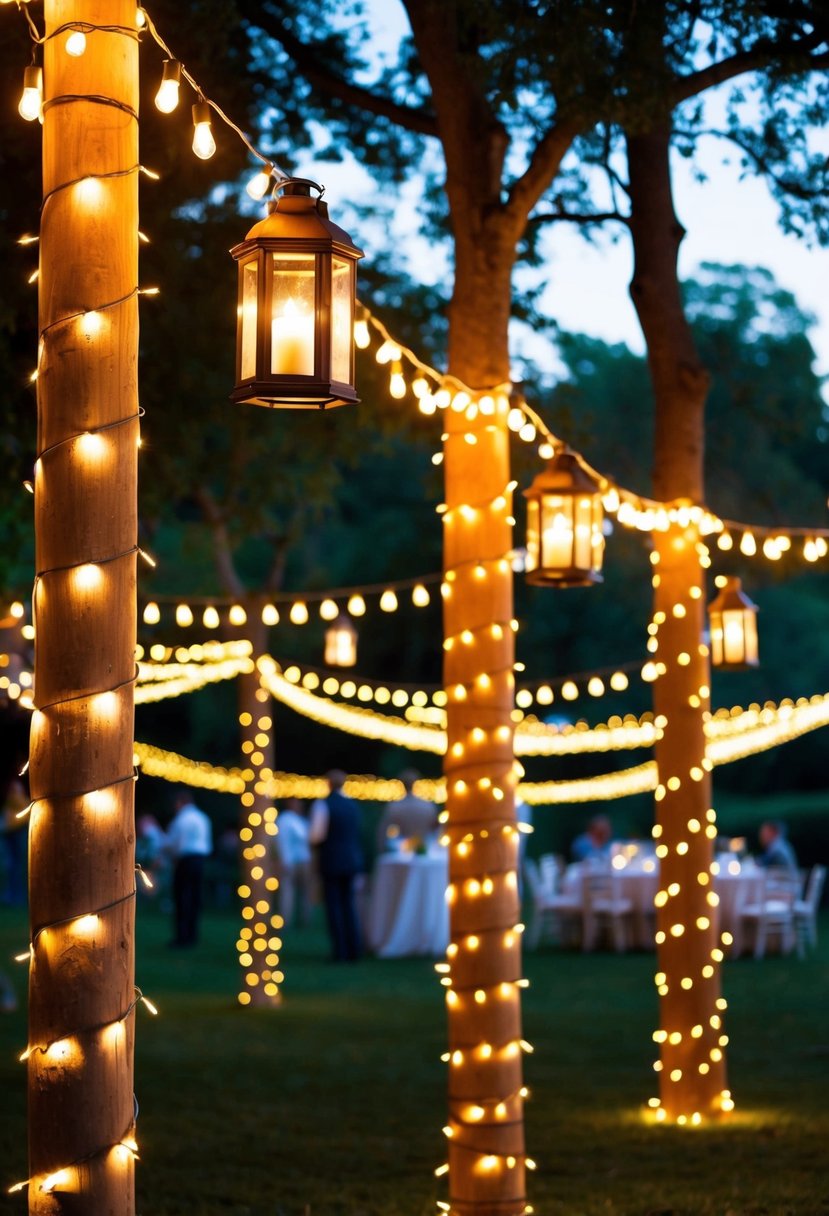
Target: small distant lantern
{"type": "Point", "coordinates": [732, 620]}
{"type": "Point", "coordinates": [565, 540]}
{"type": "Point", "coordinates": [341, 642]}
{"type": "Point", "coordinates": [297, 294]}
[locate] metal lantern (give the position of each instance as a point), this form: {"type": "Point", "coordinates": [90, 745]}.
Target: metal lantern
{"type": "Point", "coordinates": [565, 541]}
{"type": "Point", "coordinates": [732, 620]}
{"type": "Point", "coordinates": [297, 290]}
{"type": "Point", "coordinates": [341, 642]}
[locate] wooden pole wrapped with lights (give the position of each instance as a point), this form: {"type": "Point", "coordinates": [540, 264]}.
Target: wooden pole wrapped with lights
{"type": "Point", "coordinates": [82, 877]}
{"type": "Point", "coordinates": [259, 942]}
{"type": "Point", "coordinates": [482, 973]}
{"type": "Point", "coordinates": [691, 1038]}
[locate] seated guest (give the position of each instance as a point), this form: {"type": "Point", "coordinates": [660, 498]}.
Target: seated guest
{"type": "Point", "coordinates": [776, 849]}
{"type": "Point", "coordinates": [411, 816]}
{"type": "Point", "coordinates": [594, 843]}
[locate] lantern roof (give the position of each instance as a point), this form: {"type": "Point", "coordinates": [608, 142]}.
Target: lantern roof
{"type": "Point", "coordinates": [732, 598]}
{"type": "Point", "coordinates": [563, 474]}
{"type": "Point", "coordinates": [297, 216]}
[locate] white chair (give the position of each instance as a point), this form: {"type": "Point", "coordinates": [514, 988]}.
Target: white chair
{"type": "Point", "coordinates": [559, 912]}
{"type": "Point", "coordinates": [772, 915]}
{"type": "Point", "coordinates": [805, 911]}
{"type": "Point", "coordinates": [606, 909]}
{"type": "Point", "coordinates": [551, 868]}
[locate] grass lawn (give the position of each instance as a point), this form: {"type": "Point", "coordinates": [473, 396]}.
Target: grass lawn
{"type": "Point", "coordinates": [333, 1104]}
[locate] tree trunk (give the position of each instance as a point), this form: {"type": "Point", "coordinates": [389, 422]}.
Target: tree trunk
{"type": "Point", "coordinates": [259, 940]}
{"type": "Point", "coordinates": [82, 880]}
{"type": "Point", "coordinates": [486, 1145]}
{"type": "Point", "coordinates": [692, 1063]}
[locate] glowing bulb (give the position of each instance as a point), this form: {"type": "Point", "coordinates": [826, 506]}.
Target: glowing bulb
{"type": "Point", "coordinates": [388, 601]}
{"type": "Point", "coordinates": [166, 99]}
{"type": "Point", "coordinates": [397, 383]}
{"type": "Point", "coordinates": [299, 613]}
{"type": "Point", "coordinates": [204, 145]}
{"type": "Point", "coordinates": [184, 615]}
{"type": "Point", "coordinates": [31, 98]}
{"type": "Point", "coordinates": [270, 615]}
{"type": "Point", "coordinates": [362, 337]}
{"type": "Point", "coordinates": [237, 615]}
{"type": "Point", "coordinates": [257, 187]}
{"type": "Point", "coordinates": [356, 605]}
{"type": "Point", "coordinates": [152, 614]}
{"type": "Point", "coordinates": [76, 44]}
{"type": "Point", "coordinates": [210, 617]}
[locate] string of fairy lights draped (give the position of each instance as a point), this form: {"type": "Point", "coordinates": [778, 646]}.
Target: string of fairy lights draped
{"type": "Point", "coordinates": [731, 733]}
{"type": "Point", "coordinates": [435, 391]}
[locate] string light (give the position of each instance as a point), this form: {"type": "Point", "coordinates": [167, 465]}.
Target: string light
{"type": "Point", "coordinates": [30, 105]}
{"type": "Point", "coordinates": [167, 97]}
{"type": "Point", "coordinates": [204, 145]}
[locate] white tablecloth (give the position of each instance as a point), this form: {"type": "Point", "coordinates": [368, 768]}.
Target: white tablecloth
{"type": "Point", "coordinates": [640, 887]}
{"type": "Point", "coordinates": [407, 911]}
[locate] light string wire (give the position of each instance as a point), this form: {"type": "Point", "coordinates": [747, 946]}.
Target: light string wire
{"type": "Point", "coordinates": [268, 161]}
{"type": "Point", "coordinates": [648, 514]}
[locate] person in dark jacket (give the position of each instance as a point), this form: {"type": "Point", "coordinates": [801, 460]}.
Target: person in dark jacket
{"type": "Point", "coordinates": [335, 827]}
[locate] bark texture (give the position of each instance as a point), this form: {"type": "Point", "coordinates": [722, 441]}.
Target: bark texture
{"type": "Point", "coordinates": [692, 1064]}
{"type": "Point", "coordinates": [82, 877]}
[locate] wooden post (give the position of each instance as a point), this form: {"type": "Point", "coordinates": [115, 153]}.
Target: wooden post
{"type": "Point", "coordinates": [82, 879]}
{"type": "Point", "coordinates": [486, 1096]}
{"type": "Point", "coordinates": [259, 939]}
{"type": "Point", "coordinates": [691, 1066]}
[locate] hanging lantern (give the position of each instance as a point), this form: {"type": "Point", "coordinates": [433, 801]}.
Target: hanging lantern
{"type": "Point", "coordinates": [341, 643]}
{"type": "Point", "coordinates": [733, 623]}
{"type": "Point", "coordinates": [565, 541]}
{"type": "Point", "coordinates": [297, 290]}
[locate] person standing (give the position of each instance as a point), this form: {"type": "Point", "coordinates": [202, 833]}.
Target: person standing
{"type": "Point", "coordinates": [189, 842]}
{"type": "Point", "coordinates": [335, 826]}
{"type": "Point", "coordinates": [294, 851]}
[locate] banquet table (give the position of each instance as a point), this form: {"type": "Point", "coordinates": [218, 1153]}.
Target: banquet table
{"type": "Point", "coordinates": [639, 883]}
{"type": "Point", "coordinates": [407, 910]}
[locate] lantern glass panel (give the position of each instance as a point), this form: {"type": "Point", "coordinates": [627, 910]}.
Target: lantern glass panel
{"type": "Point", "coordinates": [533, 552]}
{"type": "Point", "coordinates": [341, 646]}
{"type": "Point", "coordinates": [342, 319]}
{"type": "Point", "coordinates": [293, 301]}
{"type": "Point", "coordinates": [557, 532]}
{"type": "Point", "coordinates": [247, 308]}
{"type": "Point", "coordinates": [583, 558]}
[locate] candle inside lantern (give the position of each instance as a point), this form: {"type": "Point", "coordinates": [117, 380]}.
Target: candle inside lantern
{"type": "Point", "coordinates": [292, 342]}
{"type": "Point", "coordinates": [557, 538]}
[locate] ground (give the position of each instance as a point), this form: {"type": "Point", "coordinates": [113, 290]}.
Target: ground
{"type": "Point", "coordinates": [332, 1105]}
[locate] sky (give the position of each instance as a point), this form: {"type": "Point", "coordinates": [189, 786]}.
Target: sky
{"type": "Point", "coordinates": [727, 220]}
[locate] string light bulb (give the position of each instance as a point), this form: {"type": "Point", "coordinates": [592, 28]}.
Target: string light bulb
{"type": "Point", "coordinates": [31, 99]}
{"type": "Point", "coordinates": [204, 145]}
{"type": "Point", "coordinates": [258, 185]}
{"type": "Point", "coordinates": [76, 44]}
{"type": "Point", "coordinates": [166, 99]}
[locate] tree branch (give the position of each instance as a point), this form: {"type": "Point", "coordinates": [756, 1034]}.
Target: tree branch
{"type": "Point", "coordinates": [762, 55]}
{"type": "Point", "coordinates": [788, 185]}
{"type": "Point", "coordinates": [541, 170]}
{"type": "Point", "coordinates": [222, 548]}
{"type": "Point", "coordinates": [598, 217]}
{"type": "Point", "coordinates": [321, 77]}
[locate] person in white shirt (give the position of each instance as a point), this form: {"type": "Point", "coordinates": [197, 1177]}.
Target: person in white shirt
{"type": "Point", "coordinates": [189, 842]}
{"type": "Point", "coordinates": [294, 851]}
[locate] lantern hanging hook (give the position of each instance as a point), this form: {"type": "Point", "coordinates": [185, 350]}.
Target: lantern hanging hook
{"type": "Point", "coordinates": [298, 185]}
